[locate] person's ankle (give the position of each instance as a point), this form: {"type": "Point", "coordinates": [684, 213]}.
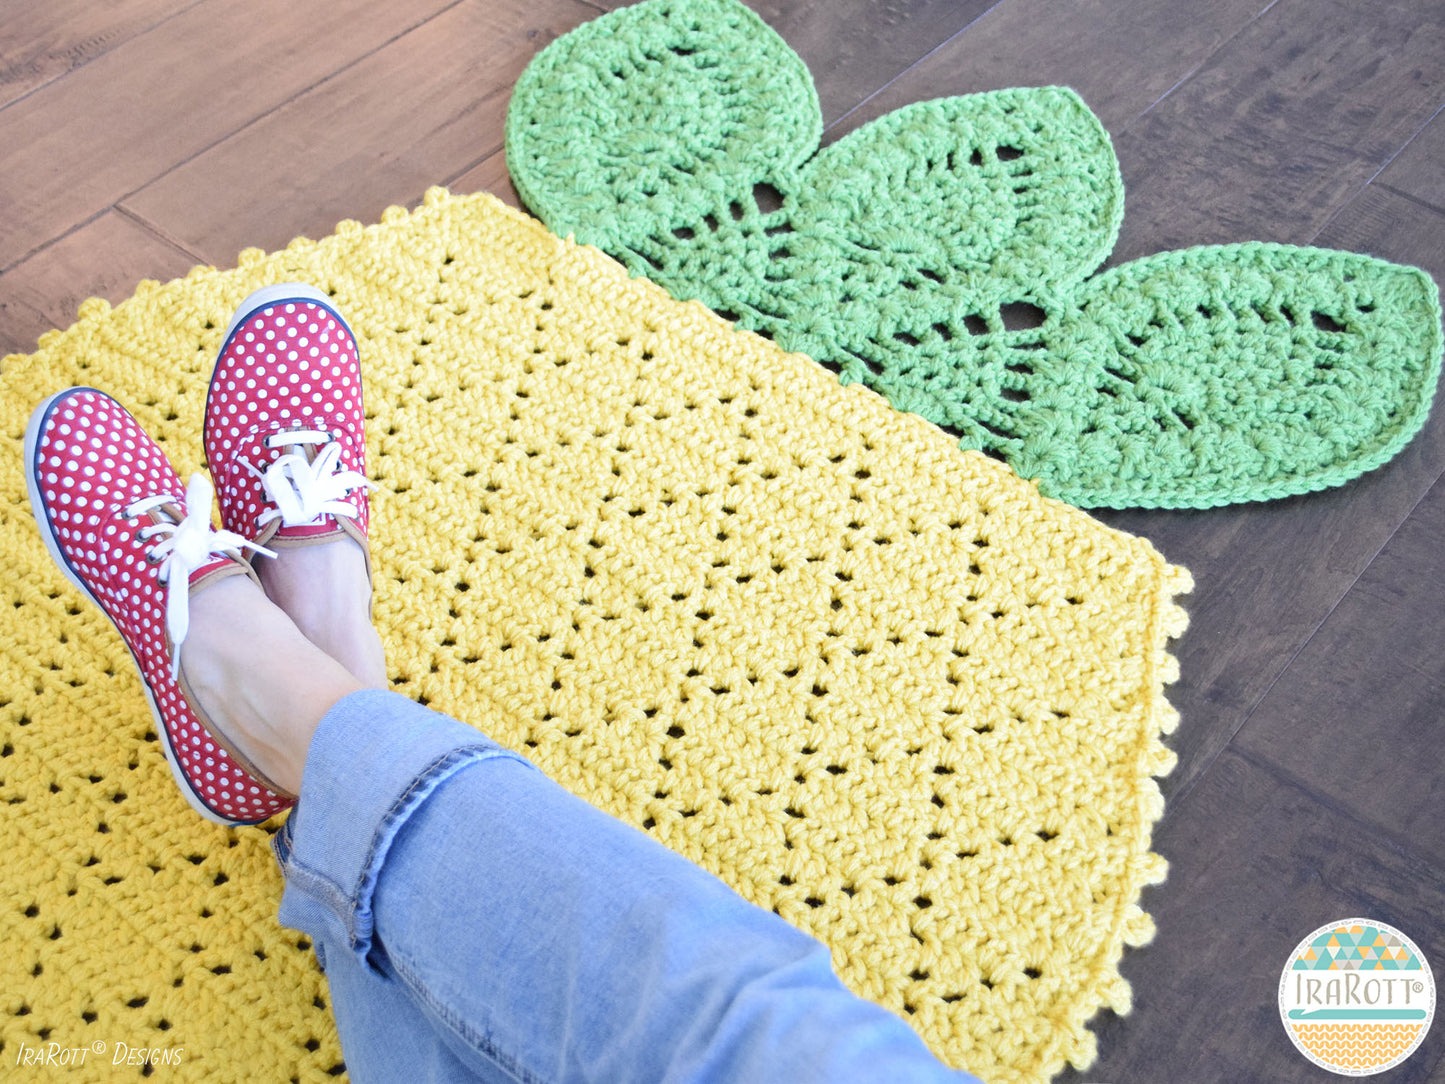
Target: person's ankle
{"type": "Point", "coordinates": [325, 591]}
{"type": "Point", "coordinates": [258, 683]}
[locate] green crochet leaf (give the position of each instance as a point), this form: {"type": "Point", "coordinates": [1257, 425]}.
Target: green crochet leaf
{"type": "Point", "coordinates": [836, 259]}
{"type": "Point", "coordinates": [939, 254]}
{"type": "Point", "coordinates": [1228, 373]}
{"type": "Point", "coordinates": [924, 247]}
{"type": "Point", "coordinates": [660, 112]}
{"type": "Point", "coordinates": [990, 193]}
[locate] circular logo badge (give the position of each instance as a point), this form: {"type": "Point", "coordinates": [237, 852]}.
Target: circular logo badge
{"type": "Point", "coordinates": [1357, 997]}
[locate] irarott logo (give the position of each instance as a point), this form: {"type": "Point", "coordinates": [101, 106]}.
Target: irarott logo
{"type": "Point", "coordinates": [1357, 997]}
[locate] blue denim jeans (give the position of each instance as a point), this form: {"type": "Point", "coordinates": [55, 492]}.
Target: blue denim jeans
{"type": "Point", "coordinates": [476, 921]}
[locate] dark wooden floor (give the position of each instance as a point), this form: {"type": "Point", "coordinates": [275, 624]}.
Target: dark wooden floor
{"type": "Point", "coordinates": [140, 137]}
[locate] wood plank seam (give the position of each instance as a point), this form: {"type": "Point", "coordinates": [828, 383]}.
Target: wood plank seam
{"type": "Point", "coordinates": [276, 108]}
{"type": "Point", "coordinates": [1249, 713]}
{"type": "Point", "coordinates": [50, 242]}
{"type": "Point", "coordinates": [1386, 165]}
{"type": "Point", "coordinates": [104, 52]}
{"type": "Point", "coordinates": [159, 233]}
{"type": "Point", "coordinates": [1424, 204]}
{"type": "Point", "coordinates": [1203, 63]}
{"type": "Point", "coordinates": [1399, 844]}
{"type": "Point", "coordinates": [829, 129]}
{"type": "Point", "coordinates": [449, 182]}
{"type": "Point", "coordinates": [233, 130]}
{"type": "Point", "coordinates": [1380, 186]}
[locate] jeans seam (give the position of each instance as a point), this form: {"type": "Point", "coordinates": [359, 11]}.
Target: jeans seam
{"type": "Point", "coordinates": [336, 899]}
{"type": "Point", "coordinates": [457, 758]}
{"type": "Point", "coordinates": [480, 1044]}
{"type": "Point", "coordinates": [321, 889]}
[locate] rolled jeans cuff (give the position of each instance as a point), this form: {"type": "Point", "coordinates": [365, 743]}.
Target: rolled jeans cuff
{"type": "Point", "coordinates": [375, 757]}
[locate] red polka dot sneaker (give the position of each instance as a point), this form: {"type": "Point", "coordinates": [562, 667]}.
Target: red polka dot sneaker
{"type": "Point", "coordinates": [117, 521]}
{"type": "Point", "coordinates": [285, 435]}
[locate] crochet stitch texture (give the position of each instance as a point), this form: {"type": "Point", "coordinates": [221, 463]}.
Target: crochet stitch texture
{"type": "Point", "coordinates": [879, 685]}
{"type": "Point", "coordinates": [941, 255]}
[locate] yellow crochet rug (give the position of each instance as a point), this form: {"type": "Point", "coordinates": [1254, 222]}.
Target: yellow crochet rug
{"type": "Point", "coordinates": [875, 683]}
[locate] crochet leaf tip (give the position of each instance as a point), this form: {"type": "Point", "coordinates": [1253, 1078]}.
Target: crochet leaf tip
{"type": "Point", "coordinates": [1232, 372]}
{"type": "Point", "coordinates": [926, 253]}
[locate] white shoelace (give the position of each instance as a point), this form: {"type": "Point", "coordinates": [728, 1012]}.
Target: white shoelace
{"type": "Point", "coordinates": [186, 545]}
{"type": "Point", "coordinates": [302, 489]}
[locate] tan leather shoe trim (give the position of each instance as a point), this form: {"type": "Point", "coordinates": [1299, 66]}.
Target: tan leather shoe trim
{"type": "Point", "coordinates": [345, 528]}
{"type": "Point", "coordinates": [220, 739]}
{"type": "Point", "coordinates": [236, 568]}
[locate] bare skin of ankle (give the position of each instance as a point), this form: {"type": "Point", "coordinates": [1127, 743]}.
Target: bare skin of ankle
{"type": "Point", "coordinates": [257, 679]}
{"type": "Point", "coordinates": [324, 589]}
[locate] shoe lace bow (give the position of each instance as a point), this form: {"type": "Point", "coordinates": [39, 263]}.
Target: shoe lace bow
{"type": "Point", "coordinates": [305, 488]}
{"type": "Point", "coordinates": [182, 546]}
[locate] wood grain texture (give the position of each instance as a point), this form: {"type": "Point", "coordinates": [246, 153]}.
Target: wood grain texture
{"type": "Point", "coordinates": [1120, 55]}
{"type": "Point", "coordinates": [425, 107]}
{"type": "Point", "coordinates": [104, 258]}
{"type": "Point", "coordinates": [1392, 226]}
{"type": "Point", "coordinates": [1283, 126]}
{"type": "Point", "coordinates": [42, 40]}
{"type": "Point", "coordinates": [1419, 169]}
{"type": "Point", "coordinates": [489, 175]}
{"type": "Point", "coordinates": [1376, 673]}
{"type": "Point", "coordinates": [83, 142]}
{"type": "Point", "coordinates": [1256, 864]}
{"type": "Point", "coordinates": [854, 47]}
{"type": "Point", "coordinates": [1268, 574]}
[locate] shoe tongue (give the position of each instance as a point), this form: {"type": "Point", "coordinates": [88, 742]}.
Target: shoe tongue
{"type": "Point", "coordinates": [310, 449]}
{"type": "Point", "coordinates": [307, 451]}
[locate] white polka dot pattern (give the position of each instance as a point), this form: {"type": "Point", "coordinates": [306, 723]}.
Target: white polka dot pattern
{"type": "Point", "coordinates": [288, 365]}
{"type": "Point", "coordinates": [91, 462]}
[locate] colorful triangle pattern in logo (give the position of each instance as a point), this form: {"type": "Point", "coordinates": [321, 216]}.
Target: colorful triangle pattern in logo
{"type": "Point", "coordinates": [1356, 948]}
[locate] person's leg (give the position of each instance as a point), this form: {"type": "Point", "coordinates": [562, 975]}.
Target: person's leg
{"type": "Point", "coordinates": [536, 935]}
{"type": "Point", "coordinates": [125, 532]}
{"type": "Point", "coordinates": [385, 1036]}
{"type": "Point", "coordinates": [265, 686]}
{"type": "Point", "coordinates": [539, 936]}
{"type": "Point", "coordinates": [546, 939]}
{"type": "Point", "coordinates": [533, 934]}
